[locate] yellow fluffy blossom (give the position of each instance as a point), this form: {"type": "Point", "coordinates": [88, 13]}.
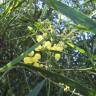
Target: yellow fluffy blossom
{"type": "Point", "coordinates": [60, 46]}
{"type": "Point", "coordinates": [57, 48]}
{"type": "Point", "coordinates": [41, 65]}
{"type": "Point", "coordinates": [36, 64]}
{"type": "Point", "coordinates": [47, 45]}
{"type": "Point", "coordinates": [54, 47]}
{"type": "Point", "coordinates": [37, 56]}
{"type": "Point", "coordinates": [28, 60]}
{"type": "Point", "coordinates": [61, 43]}
{"type": "Point", "coordinates": [39, 38]}
{"type": "Point", "coordinates": [34, 59]}
{"type": "Point", "coordinates": [38, 48]}
{"type": "Point", "coordinates": [45, 34]}
{"type": "Point", "coordinates": [31, 53]}
{"type": "Point", "coordinates": [57, 56]}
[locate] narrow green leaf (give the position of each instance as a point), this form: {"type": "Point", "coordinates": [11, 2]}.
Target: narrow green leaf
{"type": "Point", "coordinates": [75, 47]}
{"type": "Point", "coordinates": [75, 15]}
{"type": "Point", "coordinates": [36, 90]}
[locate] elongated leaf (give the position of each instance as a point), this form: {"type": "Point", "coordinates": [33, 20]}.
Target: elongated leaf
{"type": "Point", "coordinates": [75, 47]}
{"type": "Point", "coordinates": [76, 16]}
{"type": "Point", "coordinates": [36, 90]}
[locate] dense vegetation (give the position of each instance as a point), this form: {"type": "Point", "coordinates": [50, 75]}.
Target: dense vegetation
{"type": "Point", "coordinates": [48, 48]}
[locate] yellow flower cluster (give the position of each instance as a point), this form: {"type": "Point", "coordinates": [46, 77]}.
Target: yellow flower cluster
{"type": "Point", "coordinates": [46, 30]}
{"type": "Point", "coordinates": [28, 60]}
{"type": "Point", "coordinates": [37, 64]}
{"type": "Point", "coordinates": [32, 59]}
{"type": "Point", "coordinates": [48, 45]}
{"type": "Point", "coordinates": [56, 47]}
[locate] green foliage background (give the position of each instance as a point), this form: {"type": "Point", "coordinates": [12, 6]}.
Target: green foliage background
{"type": "Point", "coordinates": [20, 22]}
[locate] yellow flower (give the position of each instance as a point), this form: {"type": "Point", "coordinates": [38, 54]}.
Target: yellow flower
{"type": "Point", "coordinates": [36, 64]}
{"type": "Point", "coordinates": [41, 65]}
{"type": "Point", "coordinates": [54, 48]}
{"type": "Point", "coordinates": [60, 46]}
{"type": "Point", "coordinates": [57, 48]}
{"type": "Point", "coordinates": [47, 45]}
{"type": "Point", "coordinates": [57, 56]}
{"type": "Point", "coordinates": [39, 38]}
{"type": "Point", "coordinates": [28, 60]}
{"type": "Point", "coordinates": [34, 59]}
{"type": "Point", "coordinates": [37, 56]}
{"type": "Point", "coordinates": [44, 34]}
{"type": "Point", "coordinates": [38, 48]}
{"type": "Point", "coordinates": [31, 53]}
{"type": "Point", "coordinates": [61, 43]}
